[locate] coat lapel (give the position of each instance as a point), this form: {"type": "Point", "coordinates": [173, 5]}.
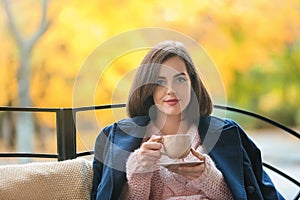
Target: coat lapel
{"type": "Point", "coordinates": [128, 137]}
{"type": "Point", "coordinates": [222, 141]}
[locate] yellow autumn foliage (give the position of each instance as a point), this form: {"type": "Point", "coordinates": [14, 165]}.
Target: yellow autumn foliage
{"type": "Point", "coordinates": [235, 34]}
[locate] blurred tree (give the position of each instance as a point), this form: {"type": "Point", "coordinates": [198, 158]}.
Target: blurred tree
{"type": "Point", "coordinates": [24, 121]}
{"type": "Point", "coordinates": [272, 88]}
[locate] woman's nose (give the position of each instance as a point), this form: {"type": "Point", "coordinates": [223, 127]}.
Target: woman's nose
{"type": "Point", "coordinates": [170, 89]}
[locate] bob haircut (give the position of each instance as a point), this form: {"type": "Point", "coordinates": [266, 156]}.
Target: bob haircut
{"type": "Point", "coordinates": [141, 100]}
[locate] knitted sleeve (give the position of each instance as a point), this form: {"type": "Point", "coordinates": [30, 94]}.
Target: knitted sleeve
{"type": "Point", "coordinates": [139, 179]}
{"type": "Point", "coordinates": [212, 182]}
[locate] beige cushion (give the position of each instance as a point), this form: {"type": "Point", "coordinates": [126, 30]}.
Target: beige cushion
{"type": "Point", "coordinates": [71, 179]}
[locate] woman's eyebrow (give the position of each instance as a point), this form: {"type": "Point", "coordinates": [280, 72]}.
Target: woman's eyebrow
{"type": "Point", "coordinates": [180, 74]}
{"type": "Point", "coordinates": [176, 75]}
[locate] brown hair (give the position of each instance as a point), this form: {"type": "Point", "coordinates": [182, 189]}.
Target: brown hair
{"type": "Point", "coordinates": [140, 99]}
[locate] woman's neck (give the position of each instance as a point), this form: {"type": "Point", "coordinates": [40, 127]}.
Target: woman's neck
{"type": "Point", "coordinates": [171, 125]}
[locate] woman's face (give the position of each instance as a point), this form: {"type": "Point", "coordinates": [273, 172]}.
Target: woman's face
{"type": "Point", "coordinates": [173, 92]}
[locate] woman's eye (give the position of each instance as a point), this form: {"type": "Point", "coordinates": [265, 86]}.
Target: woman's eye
{"type": "Point", "coordinates": [181, 80]}
{"type": "Point", "coordinates": [160, 82]}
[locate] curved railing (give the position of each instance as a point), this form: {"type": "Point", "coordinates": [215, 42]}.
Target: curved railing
{"type": "Point", "coordinates": [66, 132]}
{"type": "Point", "coordinates": [260, 117]}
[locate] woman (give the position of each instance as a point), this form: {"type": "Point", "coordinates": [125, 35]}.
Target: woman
{"type": "Point", "coordinates": [168, 97]}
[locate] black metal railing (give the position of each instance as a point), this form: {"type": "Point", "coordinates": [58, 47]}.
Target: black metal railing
{"type": "Point", "coordinates": [66, 132]}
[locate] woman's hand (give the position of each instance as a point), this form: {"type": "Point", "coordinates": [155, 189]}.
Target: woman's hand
{"type": "Point", "coordinates": [192, 172]}
{"type": "Point", "coordinates": [149, 151]}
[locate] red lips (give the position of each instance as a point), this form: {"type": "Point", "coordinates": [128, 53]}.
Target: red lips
{"type": "Point", "coordinates": [171, 102]}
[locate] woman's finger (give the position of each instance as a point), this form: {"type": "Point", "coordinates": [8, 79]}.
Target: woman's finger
{"type": "Point", "coordinates": [151, 146]}
{"type": "Point", "coordinates": [155, 138]}
{"type": "Point", "coordinates": [150, 153]}
{"type": "Point", "coordinates": [194, 171]}
{"type": "Point", "coordinates": [197, 154]}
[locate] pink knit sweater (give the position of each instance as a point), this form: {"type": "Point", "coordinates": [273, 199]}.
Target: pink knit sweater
{"type": "Point", "coordinates": [160, 183]}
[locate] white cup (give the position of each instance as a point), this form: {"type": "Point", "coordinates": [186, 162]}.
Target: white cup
{"type": "Point", "coordinates": [177, 146]}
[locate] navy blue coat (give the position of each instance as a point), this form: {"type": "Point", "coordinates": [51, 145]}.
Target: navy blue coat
{"type": "Point", "coordinates": [234, 154]}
